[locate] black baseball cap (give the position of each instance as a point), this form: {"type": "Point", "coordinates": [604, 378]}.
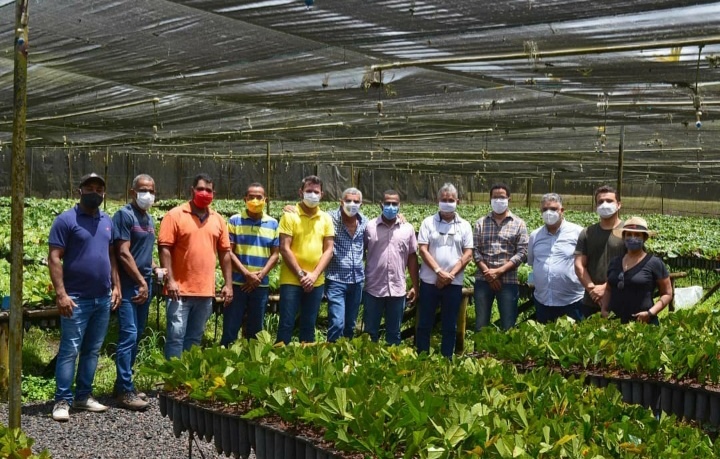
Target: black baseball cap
{"type": "Point", "coordinates": [90, 177]}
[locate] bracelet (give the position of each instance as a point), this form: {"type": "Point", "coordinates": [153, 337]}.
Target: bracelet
{"type": "Point", "coordinates": [650, 313]}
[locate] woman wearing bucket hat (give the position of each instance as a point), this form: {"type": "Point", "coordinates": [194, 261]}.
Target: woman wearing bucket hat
{"type": "Point", "coordinates": [634, 276]}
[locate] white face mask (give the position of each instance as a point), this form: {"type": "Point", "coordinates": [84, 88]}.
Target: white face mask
{"type": "Point", "coordinates": [311, 199]}
{"type": "Point", "coordinates": [607, 209]}
{"type": "Point", "coordinates": [550, 217]}
{"type": "Point", "coordinates": [499, 206]}
{"type": "Point", "coordinates": [447, 207]}
{"type": "Point", "coordinates": [145, 200]}
{"type": "Point", "coordinates": [351, 209]}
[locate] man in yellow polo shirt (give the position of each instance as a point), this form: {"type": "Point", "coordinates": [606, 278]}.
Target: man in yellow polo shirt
{"type": "Point", "coordinates": [306, 246]}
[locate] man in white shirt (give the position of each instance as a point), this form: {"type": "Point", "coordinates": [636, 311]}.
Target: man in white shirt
{"type": "Point", "coordinates": [445, 241]}
{"type": "Point", "coordinates": [551, 253]}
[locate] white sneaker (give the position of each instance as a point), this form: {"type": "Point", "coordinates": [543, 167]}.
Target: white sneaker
{"type": "Point", "coordinates": [90, 404]}
{"type": "Point", "coordinates": [61, 411]}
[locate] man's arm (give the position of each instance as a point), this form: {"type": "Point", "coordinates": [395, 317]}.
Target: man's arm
{"type": "Point", "coordinates": [414, 270]}
{"type": "Point", "coordinates": [165, 255]}
{"type": "Point", "coordinates": [596, 291]}
{"type": "Point", "coordinates": [116, 295]}
{"type": "Point", "coordinates": [309, 280]}
{"type": "Point", "coordinates": [64, 303]}
{"type": "Point", "coordinates": [226, 257]}
{"type": "Point", "coordinates": [287, 254]}
{"type": "Point", "coordinates": [462, 262]}
{"type": "Point", "coordinates": [127, 262]}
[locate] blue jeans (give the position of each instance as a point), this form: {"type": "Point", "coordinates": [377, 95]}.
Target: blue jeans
{"type": "Point", "coordinates": [343, 306]}
{"type": "Point", "coordinates": [254, 303]}
{"type": "Point", "coordinates": [392, 307]}
{"type": "Point", "coordinates": [186, 319]}
{"type": "Point", "coordinates": [132, 318]}
{"type": "Point", "coordinates": [449, 299]}
{"type": "Point", "coordinates": [507, 299]}
{"type": "Point", "coordinates": [545, 314]}
{"type": "Point", "coordinates": [82, 334]}
{"type": "Point", "coordinates": [293, 301]}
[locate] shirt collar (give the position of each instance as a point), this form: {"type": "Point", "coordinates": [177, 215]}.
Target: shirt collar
{"type": "Point", "coordinates": [456, 218]}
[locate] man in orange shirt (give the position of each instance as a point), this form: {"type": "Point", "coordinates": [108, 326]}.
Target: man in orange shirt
{"type": "Point", "coordinates": [190, 237]}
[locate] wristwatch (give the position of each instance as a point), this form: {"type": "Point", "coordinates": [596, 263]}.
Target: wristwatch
{"type": "Point", "coordinates": [438, 269]}
{"type": "Point", "coordinates": [301, 274]}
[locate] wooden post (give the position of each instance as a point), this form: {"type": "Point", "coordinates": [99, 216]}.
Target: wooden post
{"type": "Point", "coordinates": [229, 176]}
{"type": "Point", "coordinates": [14, 348]}
{"type": "Point", "coordinates": [552, 180]}
{"type": "Point", "coordinates": [528, 185]}
{"type": "Point", "coordinates": [127, 177]}
{"type": "Point", "coordinates": [105, 175]}
{"type": "Point", "coordinates": [462, 322]}
{"type": "Point", "coordinates": [268, 185]}
{"type": "Point", "coordinates": [621, 154]}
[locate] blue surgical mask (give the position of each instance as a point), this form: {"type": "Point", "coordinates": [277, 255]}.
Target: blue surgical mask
{"type": "Point", "coordinates": [390, 212]}
{"type": "Point", "coordinates": [634, 243]}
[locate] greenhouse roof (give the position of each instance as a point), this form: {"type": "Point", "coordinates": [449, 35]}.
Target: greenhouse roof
{"type": "Point", "coordinates": [520, 87]}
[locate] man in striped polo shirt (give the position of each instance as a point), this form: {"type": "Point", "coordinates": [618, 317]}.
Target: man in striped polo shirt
{"type": "Point", "coordinates": [255, 245]}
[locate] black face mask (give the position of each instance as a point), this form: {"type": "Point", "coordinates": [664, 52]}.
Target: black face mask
{"type": "Point", "coordinates": [91, 200]}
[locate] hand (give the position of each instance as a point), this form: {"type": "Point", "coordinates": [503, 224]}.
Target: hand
{"type": "Point", "coordinates": [227, 294]}
{"type": "Point", "coordinates": [401, 219]}
{"type": "Point", "coordinates": [252, 281]}
{"type": "Point", "coordinates": [116, 298]}
{"type": "Point", "coordinates": [173, 290]}
{"type": "Point", "coordinates": [142, 294]}
{"type": "Point", "coordinates": [307, 282]}
{"type": "Point", "coordinates": [492, 274]}
{"type": "Point", "coordinates": [411, 295]}
{"type": "Point", "coordinates": [495, 285]}
{"type": "Point", "coordinates": [65, 305]}
{"type": "Point", "coordinates": [290, 209]}
{"type": "Point", "coordinates": [598, 292]}
{"type": "Point", "coordinates": [445, 276]}
{"type": "Point", "coordinates": [604, 314]}
{"type": "Point", "coordinates": [643, 317]}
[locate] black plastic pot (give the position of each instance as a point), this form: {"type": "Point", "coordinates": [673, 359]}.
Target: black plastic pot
{"type": "Point", "coordinates": [227, 434]}
{"type": "Point", "coordinates": [678, 401]}
{"type": "Point", "coordinates": [637, 392]}
{"type": "Point", "coordinates": [689, 404]}
{"type": "Point", "coordinates": [209, 425]}
{"type": "Point", "coordinates": [626, 389]}
{"type": "Point", "coordinates": [714, 408]}
{"type": "Point", "coordinates": [192, 417]}
{"type": "Point", "coordinates": [200, 420]}
{"type": "Point", "coordinates": [178, 427]}
{"type": "Point", "coordinates": [162, 403]}
{"type": "Point", "coordinates": [666, 398]}
{"type": "Point", "coordinates": [217, 432]}
{"type": "Point", "coordinates": [260, 442]}
{"type": "Point", "coordinates": [702, 406]}
{"type": "Point", "coordinates": [243, 439]}
{"type": "Point", "coordinates": [650, 395]}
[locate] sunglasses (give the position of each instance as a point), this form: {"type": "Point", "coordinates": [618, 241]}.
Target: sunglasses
{"type": "Point", "coordinates": [621, 281]}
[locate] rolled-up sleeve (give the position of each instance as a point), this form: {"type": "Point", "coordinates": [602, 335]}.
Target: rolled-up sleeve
{"type": "Point", "coordinates": [521, 247]}
{"type": "Point", "coordinates": [477, 241]}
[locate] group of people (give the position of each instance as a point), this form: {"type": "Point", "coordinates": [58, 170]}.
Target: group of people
{"type": "Point", "coordinates": [99, 265]}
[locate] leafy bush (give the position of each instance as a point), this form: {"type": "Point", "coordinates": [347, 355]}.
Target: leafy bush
{"type": "Point", "coordinates": [14, 444]}
{"type": "Point", "coordinates": [388, 401]}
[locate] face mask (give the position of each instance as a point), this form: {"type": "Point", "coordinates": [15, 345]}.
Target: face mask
{"type": "Point", "coordinates": [634, 243]}
{"type": "Point", "coordinates": [144, 199]}
{"type": "Point", "coordinates": [202, 199]}
{"type": "Point", "coordinates": [447, 207]}
{"type": "Point", "coordinates": [499, 206]}
{"type": "Point", "coordinates": [390, 212]}
{"type": "Point", "coordinates": [351, 209]}
{"type": "Point", "coordinates": [255, 206]}
{"type": "Point", "coordinates": [91, 200]}
{"type": "Point", "coordinates": [550, 217]}
{"type": "Point", "coordinates": [311, 200]}
{"type": "Point", "coordinates": [607, 209]}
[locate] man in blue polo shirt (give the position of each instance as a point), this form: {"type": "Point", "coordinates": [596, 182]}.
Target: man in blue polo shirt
{"type": "Point", "coordinates": [84, 274]}
{"type": "Point", "coordinates": [134, 234]}
{"type": "Point", "coordinates": [255, 243]}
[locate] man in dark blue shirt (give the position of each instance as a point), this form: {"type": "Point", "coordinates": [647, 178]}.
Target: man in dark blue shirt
{"type": "Point", "coordinates": [134, 235]}
{"type": "Point", "coordinates": [84, 274]}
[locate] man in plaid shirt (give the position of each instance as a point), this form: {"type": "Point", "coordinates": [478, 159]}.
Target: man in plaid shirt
{"type": "Point", "coordinates": [501, 244]}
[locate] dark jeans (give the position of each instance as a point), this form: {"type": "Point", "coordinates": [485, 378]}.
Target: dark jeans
{"type": "Point", "coordinates": [295, 302]}
{"type": "Point", "coordinates": [545, 314]}
{"type": "Point", "coordinates": [448, 299]}
{"type": "Point", "coordinates": [254, 304]}
{"type": "Point", "coordinates": [507, 299]}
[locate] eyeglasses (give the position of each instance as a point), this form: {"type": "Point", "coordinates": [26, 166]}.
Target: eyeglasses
{"type": "Point", "coordinates": [391, 204]}
{"type": "Point", "coordinates": [621, 281]}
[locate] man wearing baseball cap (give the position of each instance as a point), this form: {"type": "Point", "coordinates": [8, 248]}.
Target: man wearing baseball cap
{"type": "Point", "coordinates": [84, 274]}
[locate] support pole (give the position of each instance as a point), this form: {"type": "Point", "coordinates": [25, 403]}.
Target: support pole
{"type": "Point", "coordinates": [621, 154]}
{"type": "Point", "coordinates": [18, 209]}
{"type": "Point", "coordinates": [105, 174]}
{"type": "Point", "coordinates": [268, 176]}
{"type": "Point", "coordinates": [552, 180]}
{"type": "Point", "coordinates": [528, 187]}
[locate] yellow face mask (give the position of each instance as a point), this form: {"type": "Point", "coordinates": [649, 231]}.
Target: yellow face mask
{"type": "Point", "coordinates": [255, 206]}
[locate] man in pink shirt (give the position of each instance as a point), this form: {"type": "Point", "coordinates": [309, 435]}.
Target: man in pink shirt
{"type": "Point", "coordinates": [391, 249]}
